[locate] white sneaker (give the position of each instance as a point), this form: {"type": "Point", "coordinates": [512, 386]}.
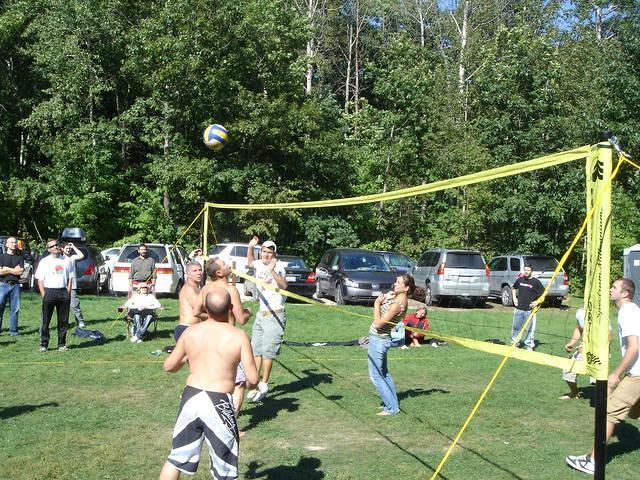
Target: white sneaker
{"type": "Point", "coordinates": [582, 463]}
{"type": "Point", "coordinates": [134, 339]}
{"type": "Point", "coordinates": [251, 394]}
{"type": "Point", "coordinates": [82, 325]}
{"type": "Point", "coordinates": [263, 388]}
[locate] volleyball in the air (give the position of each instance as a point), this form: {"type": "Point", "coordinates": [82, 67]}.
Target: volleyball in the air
{"type": "Point", "coordinates": [215, 137]}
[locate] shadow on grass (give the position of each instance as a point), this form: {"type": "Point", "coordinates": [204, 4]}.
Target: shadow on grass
{"type": "Point", "coordinates": [628, 440]}
{"type": "Point", "coordinates": [418, 392]}
{"type": "Point", "coordinates": [307, 468]}
{"type": "Point", "coordinates": [268, 410]}
{"type": "Point", "coordinates": [275, 402]}
{"type": "Point", "coordinates": [9, 412]}
{"type": "Point", "coordinates": [310, 380]}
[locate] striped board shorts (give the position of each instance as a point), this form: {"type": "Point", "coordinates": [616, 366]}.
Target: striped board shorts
{"type": "Point", "coordinates": [206, 416]}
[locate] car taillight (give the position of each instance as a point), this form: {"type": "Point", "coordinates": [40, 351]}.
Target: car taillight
{"type": "Point", "coordinates": [440, 269]}
{"type": "Point", "coordinates": [566, 278]}
{"type": "Point", "coordinates": [90, 269]}
{"type": "Point", "coordinates": [121, 270]}
{"type": "Point", "coordinates": [311, 278]}
{"type": "Point", "coordinates": [487, 271]}
{"type": "Point", "coordinates": [166, 271]}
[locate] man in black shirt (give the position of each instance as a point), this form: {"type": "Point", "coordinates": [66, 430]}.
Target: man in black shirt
{"type": "Point", "coordinates": [526, 292]}
{"type": "Point", "coordinates": [11, 267]}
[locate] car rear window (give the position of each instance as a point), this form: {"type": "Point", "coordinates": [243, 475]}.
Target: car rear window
{"type": "Point", "coordinates": [365, 262]}
{"type": "Point", "coordinates": [129, 253]}
{"type": "Point", "coordinates": [541, 263]}
{"type": "Point", "coordinates": [464, 260]}
{"type": "Point", "coordinates": [294, 262]}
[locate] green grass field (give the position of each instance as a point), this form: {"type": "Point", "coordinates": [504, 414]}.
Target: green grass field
{"type": "Point", "coordinates": [106, 411]}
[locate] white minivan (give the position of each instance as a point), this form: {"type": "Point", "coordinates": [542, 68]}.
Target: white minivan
{"type": "Point", "coordinates": [170, 268]}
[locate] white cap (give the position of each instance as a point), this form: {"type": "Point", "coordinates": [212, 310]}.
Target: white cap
{"type": "Point", "coordinates": [270, 244]}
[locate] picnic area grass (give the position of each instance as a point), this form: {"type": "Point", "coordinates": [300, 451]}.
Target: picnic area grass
{"type": "Point", "coordinates": [107, 410]}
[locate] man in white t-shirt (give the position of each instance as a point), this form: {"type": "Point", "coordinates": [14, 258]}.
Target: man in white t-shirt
{"type": "Point", "coordinates": [54, 282]}
{"type": "Point", "coordinates": [624, 381]}
{"type": "Point", "coordinates": [271, 319]}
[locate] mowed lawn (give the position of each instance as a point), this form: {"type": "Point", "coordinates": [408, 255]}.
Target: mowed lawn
{"type": "Point", "coordinates": [106, 411]}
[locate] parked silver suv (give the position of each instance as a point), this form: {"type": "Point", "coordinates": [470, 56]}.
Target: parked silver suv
{"type": "Point", "coordinates": [449, 273]}
{"type": "Point", "coordinates": [506, 269]}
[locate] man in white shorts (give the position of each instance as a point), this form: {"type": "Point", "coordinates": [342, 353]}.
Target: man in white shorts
{"type": "Point", "coordinates": [624, 381]}
{"type": "Point", "coordinates": [271, 319]}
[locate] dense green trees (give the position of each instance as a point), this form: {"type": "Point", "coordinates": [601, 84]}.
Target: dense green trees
{"type": "Point", "coordinates": [102, 105]}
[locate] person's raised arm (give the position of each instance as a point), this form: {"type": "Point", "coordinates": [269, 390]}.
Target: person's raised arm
{"type": "Point", "coordinates": [380, 320]}
{"type": "Point", "coordinates": [197, 304]}
{"type": "Point", "coordinates": [77, 253]}
{"type": "Point", "coordinates": [575, 338]}
{"type": "Point", "coordinates": [252, 243]}
{"type": "Point", "coordinates": [281, 279]}
{"type": "Point", "coordinates": [248, 362]}
{"type": "Point", "coordinates": [240, 315]}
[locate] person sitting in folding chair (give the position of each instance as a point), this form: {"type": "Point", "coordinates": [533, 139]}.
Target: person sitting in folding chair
{"type": "Point", "coordinates": [141, 309]}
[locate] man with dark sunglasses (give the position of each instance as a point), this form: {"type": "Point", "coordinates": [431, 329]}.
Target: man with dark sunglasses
{"type": "Point", "coordinates": [54, 277]}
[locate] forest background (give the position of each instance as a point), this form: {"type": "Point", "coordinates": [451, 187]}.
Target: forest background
{"type": "Point", "coordinates": [103, 104]}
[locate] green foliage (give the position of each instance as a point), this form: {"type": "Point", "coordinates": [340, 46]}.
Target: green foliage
{"type": "Point", "coordinates": [103, 105]}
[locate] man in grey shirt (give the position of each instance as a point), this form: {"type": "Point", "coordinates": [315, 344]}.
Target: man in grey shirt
{"type": "Point", "coordinates": [143, 270]}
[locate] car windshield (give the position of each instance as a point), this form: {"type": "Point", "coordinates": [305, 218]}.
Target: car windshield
{"type": "Point", "coordinates": [464, 260]}
{"type": "Point", "coordinates": [158, 253]}
{"type": "Point", "coordinates": [294, 263]}
{"type": "Point", "coordinates": [541, 263]}
{"type": "Point", "coordinates": [398, 260]}
{"type": "Point", "coordinates": [364, 262]}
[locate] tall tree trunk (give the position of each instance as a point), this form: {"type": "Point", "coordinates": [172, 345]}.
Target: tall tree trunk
{"type": "Point", "coordinates": [347, 83]}
{"type": "Point", "coordinates": [463, 30]}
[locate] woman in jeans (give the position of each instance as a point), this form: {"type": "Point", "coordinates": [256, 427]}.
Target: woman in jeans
{"type": "Point", "coordinates": [388, 310]}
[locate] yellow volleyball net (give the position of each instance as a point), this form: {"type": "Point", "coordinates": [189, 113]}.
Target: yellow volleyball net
{"type": "Point", "coordinates": [301, 225]}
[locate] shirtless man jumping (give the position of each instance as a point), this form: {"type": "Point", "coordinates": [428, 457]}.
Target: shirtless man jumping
{"type": "Point", "coordinates": [213, 349]}
{"type": "Point", "coordinates": [218, 271]}
{"type": "Point", "coordinates": [188, 299]}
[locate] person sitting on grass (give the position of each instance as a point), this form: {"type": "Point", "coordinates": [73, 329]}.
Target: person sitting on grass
{"type": "Point", "coordinates": [141, 306]}
{"type": "Point", "coordinates": [418, 319]}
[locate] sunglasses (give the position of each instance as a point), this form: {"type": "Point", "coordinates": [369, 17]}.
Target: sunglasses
{"type": "Point", "coordinates": [52, 246]}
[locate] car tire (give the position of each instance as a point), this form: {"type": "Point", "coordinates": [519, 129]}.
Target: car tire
{"type": "Point", "coordinates": [428, 295]}
{"type": "Point", "coordinates": [505, 296]}
{"type": "Point", "coordinates": [97, 288]}
{"type": "Point", "coordinates": [319, 293]}
{"type": "Point", "coordinates": [557, 302]}
{"type": "Point", "coordinates": [339, 295]}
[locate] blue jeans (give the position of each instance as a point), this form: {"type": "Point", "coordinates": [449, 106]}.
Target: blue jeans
{"type": "Point", "coordinates": [141, 322]}
{"type": "Point", "coordinates": [379, 374]}
{"type": "Point", "coordinates": [519, 317]}
{"type": "Point", "coordinates": [11, 293]}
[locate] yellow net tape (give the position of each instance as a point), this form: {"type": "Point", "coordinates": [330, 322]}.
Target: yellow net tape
{"type": "Point", "coordinates": [484, 176]}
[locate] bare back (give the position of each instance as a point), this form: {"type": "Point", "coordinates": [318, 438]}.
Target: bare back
{"type": "Point", "coordinates": [187, 300]}
{"type": "Point", "coordinates": [214, 350]}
